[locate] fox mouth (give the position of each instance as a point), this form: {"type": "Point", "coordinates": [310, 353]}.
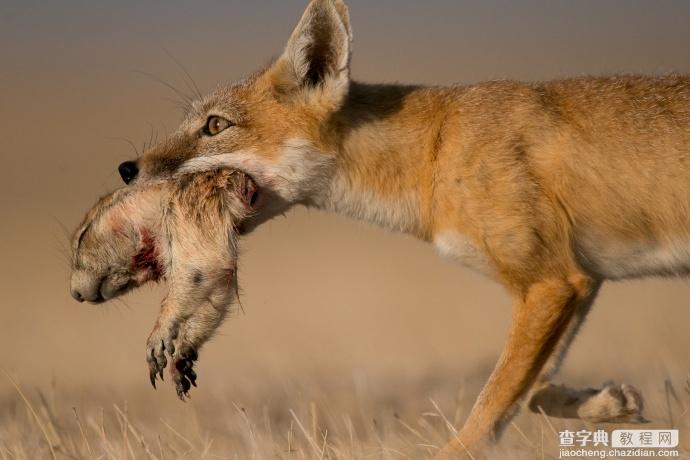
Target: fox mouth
{"type": "Point", "coordinates": [249, 191]}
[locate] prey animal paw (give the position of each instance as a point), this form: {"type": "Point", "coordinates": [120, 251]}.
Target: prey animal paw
{"type": "Point", "coordinates": [160, 341]}
{"type": "Point", "coordinates": [184, 376]}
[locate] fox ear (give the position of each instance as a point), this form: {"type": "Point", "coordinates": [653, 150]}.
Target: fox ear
{"type": "Point", "coordinates": [317, 54]}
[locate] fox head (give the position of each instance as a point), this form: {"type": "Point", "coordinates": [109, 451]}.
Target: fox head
{"type": "Point", "coordinates": [276, 126]}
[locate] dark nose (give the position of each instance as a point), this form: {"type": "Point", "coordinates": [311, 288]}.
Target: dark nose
{"type": "Point", "coordinates": [128, 171]}
{"type": "Point", "coordinates": [77, 295]}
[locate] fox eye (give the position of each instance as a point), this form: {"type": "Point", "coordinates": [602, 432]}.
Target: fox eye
{"type": "Point", "coordinates": [216, 125]}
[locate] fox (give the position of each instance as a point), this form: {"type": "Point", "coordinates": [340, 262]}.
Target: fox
{"type": "Point", "coordinates": [183, 231]}
{"type": "Point", "coordinates": [548, 188]}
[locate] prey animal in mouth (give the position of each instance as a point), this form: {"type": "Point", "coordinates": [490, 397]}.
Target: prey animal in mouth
{"type": "Point", "coordinates": [184, 232]}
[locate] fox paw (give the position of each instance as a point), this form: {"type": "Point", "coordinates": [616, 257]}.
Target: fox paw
{"type": "Point", "coordinates": [613, 404]}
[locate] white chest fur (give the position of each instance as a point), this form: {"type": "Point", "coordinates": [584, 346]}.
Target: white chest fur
{"type": "Point", "coordinates": [398, 214]}
{"type": "Point", "coordinates": [455, 246]}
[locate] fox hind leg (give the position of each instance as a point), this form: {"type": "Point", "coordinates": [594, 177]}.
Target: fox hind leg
{"type": "Point", "coordinates": [611, 403]}
{"type": "Point", "coordinates": [540, 318]}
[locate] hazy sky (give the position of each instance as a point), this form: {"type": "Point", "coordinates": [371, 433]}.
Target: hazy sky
{"type": "Point", "coordinates": [431, 41]}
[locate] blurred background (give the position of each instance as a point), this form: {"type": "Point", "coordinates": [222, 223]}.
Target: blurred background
{"type": "Point", "coordinates": [325, 299]}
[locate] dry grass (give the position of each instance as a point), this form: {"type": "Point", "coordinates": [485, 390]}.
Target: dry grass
{"type": "Point", "coordinates": [391, 418]}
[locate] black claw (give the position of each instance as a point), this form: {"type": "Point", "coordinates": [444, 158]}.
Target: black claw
{"type": "Point", "coordinates": [182, 365]}
{"type": "Point", "coordinates": [182, 386]}
{"type": "Point", "coordinates": [184, 375]}
{"type": "Point", "coordinates": [161, 362]}
{"type": "Point", "coordinates": [152, 377]}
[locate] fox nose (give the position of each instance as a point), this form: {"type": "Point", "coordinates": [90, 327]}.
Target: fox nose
{"type": "Point", "coordinates": [128, 171]}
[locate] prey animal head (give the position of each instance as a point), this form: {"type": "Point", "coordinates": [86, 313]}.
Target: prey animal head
{"type": "Point", "coordinates": [124, 241]}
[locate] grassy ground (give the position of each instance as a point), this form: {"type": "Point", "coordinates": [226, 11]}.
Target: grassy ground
{"type": "Point", "coordinates": [304, 418]}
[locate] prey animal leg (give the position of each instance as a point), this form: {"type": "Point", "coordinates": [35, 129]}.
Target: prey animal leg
{"type": "Point", "coordinates": [199, 225]}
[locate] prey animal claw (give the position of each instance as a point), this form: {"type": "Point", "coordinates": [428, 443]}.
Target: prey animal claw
{"type": "Point", "coordinates": [184, 375]}
{"type": "Point", "coordinates": [158, 346]}
{"type": "Point", "coordinates": [152, 377]}
{"type": "Point", "coordinates": [182, 385]}
{"type": "Point", "coordinates": [153, 367]}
